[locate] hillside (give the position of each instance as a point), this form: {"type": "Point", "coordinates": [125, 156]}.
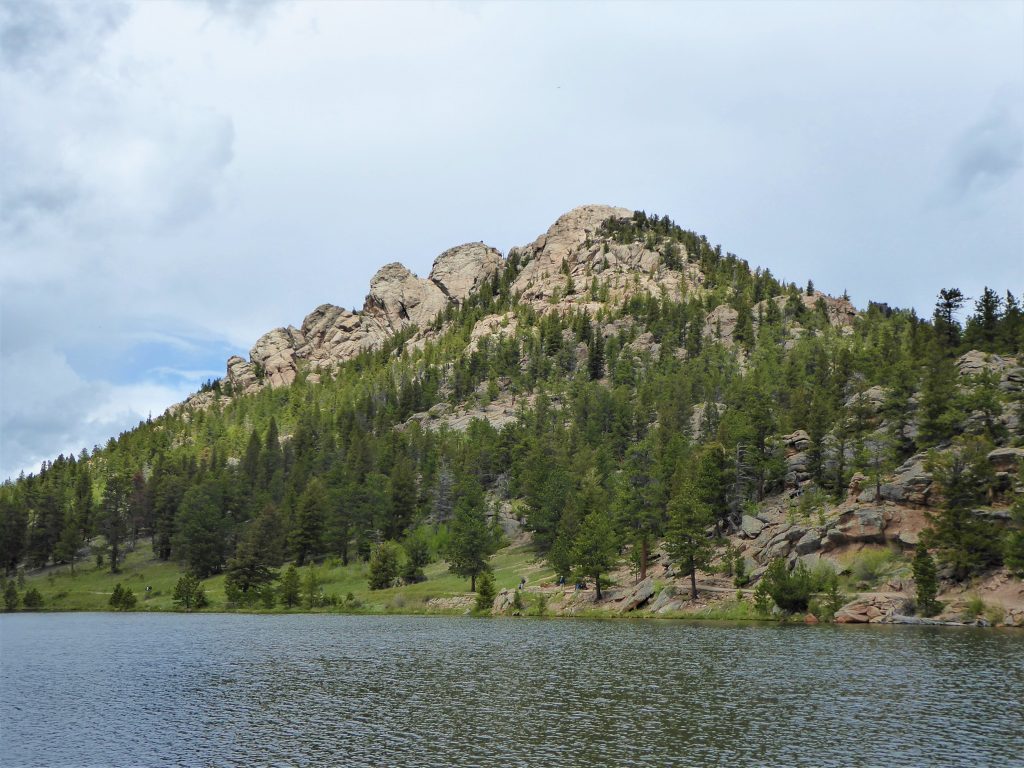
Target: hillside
{"type": "Point", "coordinates": [620, 396]}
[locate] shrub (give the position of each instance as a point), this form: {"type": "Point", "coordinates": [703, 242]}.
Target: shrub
{"type": "Point", "coordinates": [383, 566]}
{"type": "Point", "coordinates": [790, 590]}
{"type": "Point", "coordinates": [762, 599]}
{"type": "Point", "coordinates": [33, 601]}
{"type": "Point", "coordinates": [189, 594]}
{"type": "Point", "coordinates": [122, 598]}
{"type": "Point", "coordinates": [974, 607]}
{"type": "Point", "coordinates": [871, 564]}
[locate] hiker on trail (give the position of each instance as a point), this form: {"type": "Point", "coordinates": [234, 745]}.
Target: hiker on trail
{"type": "Point", "coordinates": [522, 582]}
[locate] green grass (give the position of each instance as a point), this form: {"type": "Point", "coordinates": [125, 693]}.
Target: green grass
{"type": "Point", "coordinates": [89, 588]}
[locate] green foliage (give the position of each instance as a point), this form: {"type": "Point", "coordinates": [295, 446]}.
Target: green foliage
{"type": "Point", "coordinates": [687, 540]}
{"type": "Point", "coordinates": [472, 541]}
{"type": "Point", "coordinates": [383, 565]}
{"type": "Point", "coordinates": [871, 565]}
{"type": "Point", "coordinates": [121, 599]}
{"type": "Point", "coordinates": [33, 600]}
{"type": "Point", "coordinates": [926, 581]}
{"type": "Point", "coordinates": [485, 591]}
{"type": "Point", "coordinates": [595, 550]}
{"type": "Point", "coordinates": [762, 599]}
{"type": "Point", "coordinates": [312, 592]}
{"type": "Point", "coordinates": [964, 541]}
{"type": "Point", "coordinates": [417, 556]}
{"type": "Point", "coordinates": [790, 590]}
{"type": "Point", "coordinates": [325, 470]}
{"type": "Point", "coordinates": [189, 593]}
{"type": "Point", "coordinates": [290, 587]}
{"type": "Point", "coordinates": [11, 597]}
{"type": "Point", "coordinates": [1014, 548]}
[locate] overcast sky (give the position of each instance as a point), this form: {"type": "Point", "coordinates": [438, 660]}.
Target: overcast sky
{"type": "Point", "coordinates": [178, 178]}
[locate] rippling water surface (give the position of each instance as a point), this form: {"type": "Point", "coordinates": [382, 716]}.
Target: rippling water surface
{"type": "Point", "coordinates": [157, 690]}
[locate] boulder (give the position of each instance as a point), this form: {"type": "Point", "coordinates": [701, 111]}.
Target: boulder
{"type": "Point", "coordinates": [751, 527]}
{"type": "Point", "coordinates": [462, 270]}
{"type": "Point", "coordinates": [665, 598]}
{"type": "Point", "coordinates": [975, 362]}
{"type": "Point", "coordinates": [503, 601]}
{"type": "Point", "coordinates": [809, 542]}
{"type": "Point", "coordinates": [635, 597]}
{"type": "Point", "coordinates": [1006, 459]}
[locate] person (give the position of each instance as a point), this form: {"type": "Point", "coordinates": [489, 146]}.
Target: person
{"type": "Point", "coordinates": [561, 580]}
{"type": "Point", "coordinates": [522, 582]}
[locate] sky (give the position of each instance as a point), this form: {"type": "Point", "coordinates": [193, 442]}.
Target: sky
{"type": "Point", "coordinates": [176, 179]}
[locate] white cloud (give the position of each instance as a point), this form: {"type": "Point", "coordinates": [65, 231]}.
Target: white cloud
{"type": "Point", "coordinates": [178, 178]}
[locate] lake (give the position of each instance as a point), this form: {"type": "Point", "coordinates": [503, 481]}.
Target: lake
{"type": "Point", "coordinates": [309, 690]}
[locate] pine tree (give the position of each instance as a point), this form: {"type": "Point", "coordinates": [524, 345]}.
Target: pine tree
{"type": "Point", "coordinates": [306, 538]}
{"type": "Point", "coordinates": [11, 598]}
{"type": "Point", "coordinates": [290, 586]}
{"type": "Point", "coordinates": [926, 580]}
{"type": "Point", "coordinates": [114, 516]}
{"type": "Point", "coordinates": [596, 549]}
{"type": "Point", "coordinates": [687, 540]}
{"type": "Point", "coordinates": [189, 593]}
{"type": "Point", "coordinates": [471, 542]}
{"type": "Point", "coordinates": [383, 565]}
{"type": "Point", "coordinates": [485, 592]}
{"type": "Point", "coordinates": [963, 540]}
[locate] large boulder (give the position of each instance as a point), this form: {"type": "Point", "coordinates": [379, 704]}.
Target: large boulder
{"type": "Point", "coordinates": [1006, 459]}
{"type": "Point", "coordinates": [633, 598]}
{"type": "Point", "coordinates": [462, 270]}
{"type": "Point", "coordinates": [751, 527]}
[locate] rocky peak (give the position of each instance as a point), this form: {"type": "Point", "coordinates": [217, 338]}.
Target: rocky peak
{"type": "Point", "coordinates": [573, 244]}
{"type": "Point", "coordinates": [398, 298]}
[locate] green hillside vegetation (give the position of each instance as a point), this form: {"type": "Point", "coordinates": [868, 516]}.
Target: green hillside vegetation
{"type": "Point", "coordinates": [605, 453]}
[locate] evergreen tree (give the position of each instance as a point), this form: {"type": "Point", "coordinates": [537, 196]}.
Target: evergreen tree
{"type": "Point", "coordinates": [188, 593]}
{"type": "Point", "coordinates": [926, 580]}
{"type": "Point", "coordinates": [595, 355]}
{"type": "Point", "coordinates": [687, 540]}
{"type": "Point", "coordinates": [596, 550]}
{"type": "Point", "coordinates": [33, 600]}
{"type": "Point", "coordinates": [485, 592]}
{"type": "Point", "coordinates": [471, 542]}
{"type": "Point", "coordinates": [964, 541]}
{"type": "Point", "coordinates": [114, 516]}
{"type": "Point", "coordinates": [307, 536]}
{"type": "Point", "coordinates": [290, 587]}
{"type": "Point", "coordinates": [11, 598]}
{"type": "Point", "coordinates": [1014, 548]}
{"type": "Point", "coordinates": [383, 565]}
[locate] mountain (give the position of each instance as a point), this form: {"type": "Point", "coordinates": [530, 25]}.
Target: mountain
{"type": "Point", "coordinates": [619, 390]}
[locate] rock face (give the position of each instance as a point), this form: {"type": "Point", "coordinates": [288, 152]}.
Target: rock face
{"type": "Point", "coordinates": [463, 270]}
{"type": "Point", "coordinates": [397, 300]}
{"type": "Point", "coordinates": [571, 254]}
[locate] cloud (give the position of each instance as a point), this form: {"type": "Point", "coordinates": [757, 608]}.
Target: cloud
{"type": "Point", "coordinates": [50, 36]}
{"type": "Point", "coordinates": [47, 408]}
{"type": "Point", "coordinates": [990, 152]}
{"type": "Point", "coordinates": [90, 138]}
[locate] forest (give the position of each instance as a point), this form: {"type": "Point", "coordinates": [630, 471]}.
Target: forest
{"type": "Point", "coordinates": [636, 424]}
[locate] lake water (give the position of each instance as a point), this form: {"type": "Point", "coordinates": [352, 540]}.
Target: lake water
{"type": "Point", "coordinates": [160, 690]}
